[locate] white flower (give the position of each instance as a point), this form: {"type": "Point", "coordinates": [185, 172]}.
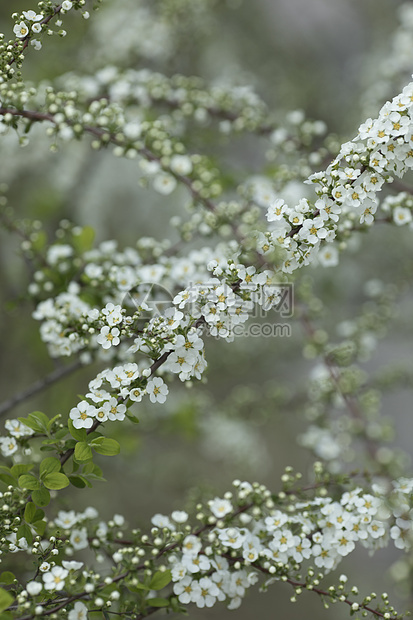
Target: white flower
{"type": "Point", "coordinates": [181, 164]}
{"type": "Point", "coordinates": [276, 210]}
{"type": "Point", "coordinates": [162, 521]}
{"type": "Point", "coordinates": [181, 360]}
{"type": "Point", "coordinates": [324, 555]}
{"type": "Point", "coordinates": [78, 539]}
{"type": "Point", "coordinates": [186, 590]}
{"type": "Point", "coordinates": [178, 571]}
{"type": "Point", "coordinates": [34, 587]}
{"type": "Point", "coordinates": [238, 583]}
{"type": "Point", "coordinates": [275, 521]}
{"type": "Point", "coordinates": [196, 564]}
{"type": "Point", "coordinates": [191, 545]}
{"type": "Point", "coordinates": [301, 550]}
{"type": "Point", "coordinates": [251, 548]}
{"type": "Point", "coordinates": [44, 567]}
{"type": "Point", "coordinates": [313, 230]}
{"type": "Point", "coordinates": [82, 415]}
{"type": "Point", "coordinates": [179, 516]}
{"type": "Point", "coordinates": [21, 30]}
{"type": "Point", "coordinates": [79, 612]}
{"type": "Point", "coordinates": [32, 16]}
{"type": "Point", "coordinates": [114, 410]}
{"type": "Point", "coordinates": [108, 337]}
{"type": "Point", "coordinates": [328, 256]}
{"type": "Point", "coordinates": [220, 507]}
{"type": "Point", "coordinates": [119, 520]}
{"type": "Point", "coordinates": [89, 513]}
{"type": "Point", "coordinates": [8, 446]}
{"type": "Point", "coordinates": [232, 537]}
{"type": "Point", "coordinates": [402, 216]}
{"type": "Point", "coordinates": [66, 520]}
{"type": "Point", "coordinates": [72, 565]}
{"type": "Point", "coordinates": [132, 130]}
{"type": "Point", "coordinates": [157, 390]}
{"type": "Point", "coordinates": [173, 317]}
{"type": "Point", "coordinates": [164, 183]}
{"type": "Point", "coordinates": [55, 579]}
{"type": "Point", "coordinates": [345, 543]}
{"type": "Point", "coordinates": [284, 540]}
{"type": "Point", "coordinates": [207, 593]}
{"type": "Point", "coordinates": [376, 529]}
{"type": "Point", "coordinates": [136, 395]}
{"type": "Point", "coordinates": [101, 414]}
{"type": "Point", "coordinates": [403, 485]}
{"type": "Point", "coordinates": [113, 314]}
{"type": "Point", "coordinates": [367, 504]}
{"type": "Point", "coordinates": [17, 428]}
{"type": "Point", "coordinates": [67, 5]}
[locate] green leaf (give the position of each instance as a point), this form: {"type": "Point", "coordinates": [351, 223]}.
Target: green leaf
{"type": "Point", "coordinates": [79, 434]}
{"type": "Point", "coordinates": [39, 515]}
{"type": "Point", "coordinates": [84, 240]}
{"type": "Point", "coordinates": [56, 481]}
{"type": "Point", "coordinates": [160, 580]}
{"type": "Point", "coordinates": [8, 479]}
{"type": "Point", "coordinates": [92, 471]}
{"type": "Point", "coordinates": [138, 586]}
{"type": "Point", "coordinates": [40, 527]}
{"type": "Point", "coordinates": [30, 512]}
{"type": "Point", "coordinates": [78, 481]}
{"type": "Point", "coordinates": [49, 465]}
{"type": "Point", "coordinates": [132, 418]}
{"type": "Point", "coordinates": [83, 452]}
{"type": "Point", "coordinates": [41, 497]}
{"type": "Point", "coordinates": [21, 468]}
{"type": "Point", "coordinates": [7, 577]}
{"type": "Point", "coordinates": [62, 432]}
{"type": "Point", "coordinates": [106, 446]}
{"type": "Point", "coordinates": [37, 421]}
{"type": "Point", "coordinates": [6, 599]}
{"type": "Point", "coordinates": [39, 240]}
{"type": "Point", "coordinates": [27, 481]}
{"type": "Point", "coordinates": [50, 423]}
{"type": "Point", "coordinates": [49, 442]}
{"type": "Point", "coordinates": [157, 602]}
{"type": "Point", "coordinates": [32, 423]}
{"type": "Point", "coordinates": [24, 532]}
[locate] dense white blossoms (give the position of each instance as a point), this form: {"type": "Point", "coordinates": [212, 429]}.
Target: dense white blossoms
{"type": "Point", "coordinates": [145, 313]}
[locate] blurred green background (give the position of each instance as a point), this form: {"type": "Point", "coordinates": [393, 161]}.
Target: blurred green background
{"type": "Point", "coordinates": [315, 55]}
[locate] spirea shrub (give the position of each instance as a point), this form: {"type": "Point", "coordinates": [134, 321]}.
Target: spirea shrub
{"type": "Point", "coordinates": [137, 320]}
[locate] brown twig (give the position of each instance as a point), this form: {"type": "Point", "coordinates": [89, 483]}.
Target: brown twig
{"type": "Point", "coordinates": [39, 386]}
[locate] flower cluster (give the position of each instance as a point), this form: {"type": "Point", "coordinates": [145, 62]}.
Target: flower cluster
{"type": "Point", "coordinates": [244, 536]}
{"type": "Point", "coordinates": [144, 314]}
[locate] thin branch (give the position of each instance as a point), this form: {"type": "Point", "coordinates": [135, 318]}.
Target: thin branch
{"type": "Point", "coordinates": [335, 597]}
{"type": "Point", "coordinates": [95, 131]}
{"type": "Point", "coordinates": [39, 386]}
{"type": "Point", "coordinates": [157, 363]}
{"type": "Point", "coordinates": [350, 402]}
{"type": "Point", "coordinates": [28, 37]}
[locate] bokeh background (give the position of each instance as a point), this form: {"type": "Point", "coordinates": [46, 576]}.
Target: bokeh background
{"type": "Point", "coordinates": [326, 57]}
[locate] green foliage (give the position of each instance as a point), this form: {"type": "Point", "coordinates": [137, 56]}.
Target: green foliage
{"type": "Point", "coordinates": [6, 599]}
